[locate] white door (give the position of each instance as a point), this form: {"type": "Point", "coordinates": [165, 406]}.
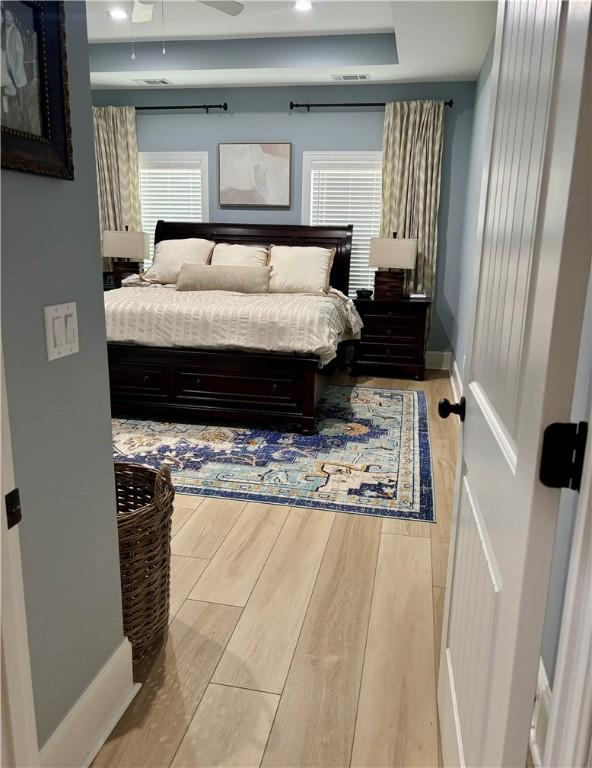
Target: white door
{"type": "Point", "coordinates": [527, 323]}
{"type": "Point", "coordinates": [18, 734]}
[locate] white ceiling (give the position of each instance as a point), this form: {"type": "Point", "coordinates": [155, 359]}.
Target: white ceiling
{"type": "Point", "coordinates": [190, 20]}
{"type": "Point", "coordinates": [436, 41]}
{"type": "Point", "coordinates": [442, 40]}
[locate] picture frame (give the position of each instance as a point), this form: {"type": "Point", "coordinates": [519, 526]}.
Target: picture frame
{"type": "Point", "coordinates": [255, 175]}
{"type": "Point", "coordinates": [36, 133]}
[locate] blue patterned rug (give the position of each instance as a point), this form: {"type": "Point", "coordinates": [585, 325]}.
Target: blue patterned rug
{"type": "Point", "coordinates": [371, 456]}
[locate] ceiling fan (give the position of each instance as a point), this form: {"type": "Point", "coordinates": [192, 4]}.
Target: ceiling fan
{"type": "Point", "coordinates": [144, 9]}
{"type": "Point", "coordinates": [231, 7]}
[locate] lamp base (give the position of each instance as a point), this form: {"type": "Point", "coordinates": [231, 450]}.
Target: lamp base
{"type": "Point", "coordinates": [389, 284]}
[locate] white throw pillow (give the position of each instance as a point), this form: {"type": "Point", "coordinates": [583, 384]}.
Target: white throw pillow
{"type": "Point", "coordinates": [170, 255]}
{"type": "Point", "coordinates": [240, 255]}
{"type": "Point", "coordinates": [300, 269]}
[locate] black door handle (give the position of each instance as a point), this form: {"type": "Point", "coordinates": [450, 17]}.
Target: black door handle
{"type": "Point", "coordinates": [445, 408]}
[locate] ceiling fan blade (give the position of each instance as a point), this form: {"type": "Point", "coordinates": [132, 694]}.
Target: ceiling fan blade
{"type": "Point", "coordinates": [142, 11]}
{"type": "Point", "coordinates": [230, 7]}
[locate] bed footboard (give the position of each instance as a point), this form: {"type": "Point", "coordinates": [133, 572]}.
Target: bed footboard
{"type": "Point", "coordinates": [193, 385]}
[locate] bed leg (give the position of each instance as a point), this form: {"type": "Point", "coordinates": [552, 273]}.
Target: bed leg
{"type": "Point", "coordinates": [308, 426]}
{"type": "Point", "coordinates": [310, 385]}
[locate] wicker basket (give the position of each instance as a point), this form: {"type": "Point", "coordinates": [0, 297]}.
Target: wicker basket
{"type": "Point", "coordinates": [144, 509]}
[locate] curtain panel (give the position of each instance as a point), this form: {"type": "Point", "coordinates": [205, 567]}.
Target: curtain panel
{"type": "Point", "coordinates": [412, 164]}
{"type": "Point", "coordinates": [118, 175]}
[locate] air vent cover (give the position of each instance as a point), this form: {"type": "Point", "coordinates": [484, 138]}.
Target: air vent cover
{"type": "Point", "coordinates": [349, 78]}
{"type": "Point", "coordinates": [153, 81]}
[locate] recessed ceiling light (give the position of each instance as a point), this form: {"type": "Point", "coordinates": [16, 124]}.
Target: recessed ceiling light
{"type": "Point", "coordinates": [303, 5]}
{"type": "Point", "coordinates": [117, 13]}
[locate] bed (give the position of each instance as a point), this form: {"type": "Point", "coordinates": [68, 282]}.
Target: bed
{"type": "Point", "coordinates": [153, 375]}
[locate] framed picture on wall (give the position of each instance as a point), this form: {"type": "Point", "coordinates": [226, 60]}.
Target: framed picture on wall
{"type": "Point", "coordinates": [255, 175]}
{"type": "Point", "coordinates": [34, 108]}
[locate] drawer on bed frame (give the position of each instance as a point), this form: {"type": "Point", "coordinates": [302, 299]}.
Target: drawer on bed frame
{"type": "Point", "coordinates": [231, 384]}
{"type": "Point", "coordinates": [153, 382]}
{"type": "Point", "coordinates": [145, 382]}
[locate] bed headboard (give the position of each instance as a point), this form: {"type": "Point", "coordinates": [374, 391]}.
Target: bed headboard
{"type": "Point", "coordinates": [339, 238]}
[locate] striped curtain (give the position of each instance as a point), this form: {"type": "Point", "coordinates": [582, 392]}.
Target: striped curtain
{"type": "Point", "coordinates": [118, 173]}
{"type": "Point", "coordinates": [412, 163]}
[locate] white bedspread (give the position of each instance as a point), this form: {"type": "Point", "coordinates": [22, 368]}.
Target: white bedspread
{"type": "Point", "coordinates": [163, 317]}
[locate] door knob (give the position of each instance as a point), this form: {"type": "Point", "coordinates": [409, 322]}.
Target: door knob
{"type": "Point", "coordinates": [445, 408]}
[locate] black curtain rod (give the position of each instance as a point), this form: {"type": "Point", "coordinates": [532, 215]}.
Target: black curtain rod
{"type": "Point", "coordinates": [207, 107]}
{"type": "Point", "coordinates": [308, 107]}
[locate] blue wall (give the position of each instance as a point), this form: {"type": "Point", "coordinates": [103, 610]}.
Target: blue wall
{"type": "Point", "coordinates": [247, 53]}
{"type": "Point", "coordinates": [262, 114]}
{"type": "Point", "coordinates": [459, 285]}
{"type": "Point", "coordinates": [60, 415]}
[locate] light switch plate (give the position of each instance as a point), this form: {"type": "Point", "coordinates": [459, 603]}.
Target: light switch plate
{"type": "Point", "coordinates": [61, 330]}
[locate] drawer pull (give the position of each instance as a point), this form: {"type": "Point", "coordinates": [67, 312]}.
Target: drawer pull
{"type": "Point", "coordinates": [274, 387]}
{"type": "Point", "coordinates": [197, 381]}
{"type": "Point", "coordinates": [146, 379]}
{"type": "Point", "coordinates": [389, 332]}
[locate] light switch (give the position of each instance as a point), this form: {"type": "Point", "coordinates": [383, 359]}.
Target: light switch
{"type": "Point", "coordinates": [59, 337]}
{"type": "Point", "coordinates": [61, 330]}
{"type": "Point", "coordinates": [70, 330]}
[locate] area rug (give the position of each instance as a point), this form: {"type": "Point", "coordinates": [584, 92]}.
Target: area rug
{"type": "Point", "coordinates": [371, 456]}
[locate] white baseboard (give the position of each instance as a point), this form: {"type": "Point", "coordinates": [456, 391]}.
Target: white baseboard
{"type": "Point", "coordinates": [438, 361]}
{"type": "Point", "coordinates": [86, 727]}
{"type": "Point", "coordinates": [540, 717]}
{"type": "Point", "coordinates": [456, 381]}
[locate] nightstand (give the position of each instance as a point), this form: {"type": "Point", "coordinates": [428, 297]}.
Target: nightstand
{"type": "Point", "coordinates": [121, 268]}
{"type": "Point", "coordinates": [393, 337]}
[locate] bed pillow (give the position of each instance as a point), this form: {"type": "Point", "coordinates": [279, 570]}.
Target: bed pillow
{"type": "Point", "coordinates": [222, 277]}
{"type": "Point", "coordinates": [170, 255]}
{"type": "Point", "coordinates": [300, 269]}
{"type": "Point", "coordinates": [240, 255]}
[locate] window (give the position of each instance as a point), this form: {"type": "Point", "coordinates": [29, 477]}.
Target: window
{"type": "Point", "coordinates": [174, 186]}
{"type": "Point", "coordinates": [346, 188]}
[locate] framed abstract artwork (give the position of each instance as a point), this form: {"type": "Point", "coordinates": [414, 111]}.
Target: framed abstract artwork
{"type": "Point", "coordinates": [34, 108]}
{"type": "Point", "coordinates": [255, 175]}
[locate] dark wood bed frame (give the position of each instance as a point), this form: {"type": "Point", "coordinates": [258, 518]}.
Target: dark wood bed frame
{"type": "Point", "coordinates": [187, 384]}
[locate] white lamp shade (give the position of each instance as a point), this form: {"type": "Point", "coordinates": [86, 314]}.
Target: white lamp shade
{"type": "Point", "coordinates": [131, 246]}
{"type": "Point", "coordinates": [393, 253]}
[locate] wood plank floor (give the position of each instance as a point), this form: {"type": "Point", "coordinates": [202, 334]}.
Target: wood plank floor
{"type": "Point", "coordinates": [300, 638]}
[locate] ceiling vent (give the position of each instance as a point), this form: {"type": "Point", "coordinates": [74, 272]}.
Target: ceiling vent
{"type": "Point", "coordinates": [350, 78]}
{"type": "Point", "coordinates": [153, 81]}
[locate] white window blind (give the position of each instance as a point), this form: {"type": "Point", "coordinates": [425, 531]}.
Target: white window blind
{"type": "Point", "coordinates": [173, 186]}
{"type": "Point", "coordinates": [346, 188]}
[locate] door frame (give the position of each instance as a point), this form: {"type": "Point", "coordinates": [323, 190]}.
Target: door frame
{"type": "Point", "coordinates": [19, 729]}
{"type": "Point", "coordinates": [569, 736]}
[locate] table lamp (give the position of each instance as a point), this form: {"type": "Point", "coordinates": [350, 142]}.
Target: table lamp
{"type": "Point", "coordinates": [392, 257]}
{"type": "Point", "coordinates": [125, 245]}
{"type": "Point", "coordinates": [124, 252]}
